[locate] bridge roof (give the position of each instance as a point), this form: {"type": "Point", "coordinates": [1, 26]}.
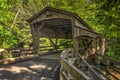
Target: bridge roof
{"type": "Point", "coordinates": [43, 13]}
{"type": "Point", "coordinates": [48, 8]}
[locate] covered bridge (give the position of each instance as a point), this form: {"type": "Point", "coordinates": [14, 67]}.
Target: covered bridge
{"type": "Point", "coordinates": [56, 23]}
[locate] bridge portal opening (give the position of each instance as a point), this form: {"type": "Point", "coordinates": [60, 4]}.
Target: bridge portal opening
{"type": "Point", "coordinates": [57, 28]}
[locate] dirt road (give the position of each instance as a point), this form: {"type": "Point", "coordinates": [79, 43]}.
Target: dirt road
{"type": "Point", "coordinates": [40, 68]}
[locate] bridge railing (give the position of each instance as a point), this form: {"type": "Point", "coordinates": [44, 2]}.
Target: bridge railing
{"type": "Point", "coordinates": [8, 56]}
{"type": "Point", "coordinates": [93, 72]}
{"type": "Point", "coordinates": [17, 52]}
{"type": "Point", "coordinates": [14, 52]}
{"type": "Point", "coordinates": [111, 67]}
{"type": "Point", "coordinates": [49, 49]}
{"type": "Point", "coordinates": [70, 72]}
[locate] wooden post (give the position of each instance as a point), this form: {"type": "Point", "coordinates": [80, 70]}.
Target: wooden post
{"type": "Point", "coordinates": [36, 39]}
{"type": "Point", "coordinates": [108, 69]}
{"type": "Point", "coordinates": [96, 45]}
{"type": "Point", "coordinates": [56, 42]}
{"type": "Point", "coordinates": [75, 47]}
{"type": "Point", "coordinates": [75, 42]}
{"type": "Point", "coordinates": [98, 61]}
{"type": "Point", "coordinates": [103, 46]}
{"type": "Point", "coordinates": [97, 54]}
{"type": "Point", "coordinates": [32, 30]}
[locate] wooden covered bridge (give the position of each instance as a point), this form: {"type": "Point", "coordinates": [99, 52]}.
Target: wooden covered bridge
{"type": "Point", "coordinates": [82, 61]}
{"type": "Point", "coordinates": [55, 23]}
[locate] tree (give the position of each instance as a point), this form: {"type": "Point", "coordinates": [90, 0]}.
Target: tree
{"type": "Point", "coordinates": [101, 15]}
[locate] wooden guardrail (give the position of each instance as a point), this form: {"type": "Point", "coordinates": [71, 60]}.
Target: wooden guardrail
{"type": "Point", "coordinates": [73, 71]}
{"type": "Point", "coordinates": [68, 70]}
{"type": "Point", "coordinates": [110, 66]}
{"type": "Point", "coordinates": [49, 48]}
{"type": "Point", "coordinates": [11, 55]}
{"type": "Point", "coordinates": [17, 59]}
{"type": "Point", "coordinates": [14, 52]}
{"type": "Point", "coordinates": [94, 73]}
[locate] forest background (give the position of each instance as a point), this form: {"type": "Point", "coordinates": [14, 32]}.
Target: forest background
{"type": "Point", "coordinates": [102, 15]}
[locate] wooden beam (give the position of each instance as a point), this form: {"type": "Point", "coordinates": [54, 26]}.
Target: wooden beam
{"type": "Point", "coordinates": [89, 31]}
{"type": "Point", "coordinates": [57, 21]}
{"type": "Point", "coordinates": [64, 76]}
{"type": "Point", "coordinates": [76, 73]}
{"type": "Point", "coordinates": [36, 40]}
{"type": "Point", "coordinates": [50, 39]}
{"type": "Point", "coordinates": [88, 46]}
{"type": "Point", "coordinates": [57, 32]}
{"type": "Point", "coordinates": [41, 26]}
{"type": "Point", "coordinates": [91, 70]}
{"type": "Point", "coordinates": [51, 33]}
{"type": "Point", "coordinates": [52, 42]}
{"type": "Point", "coordinates": [108, 68]}
{"type": "Point", "coordinates": [75, 43]}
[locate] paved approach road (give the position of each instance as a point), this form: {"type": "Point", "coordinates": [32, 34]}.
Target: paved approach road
{"type": "Point", "coordinates": [40, 68]}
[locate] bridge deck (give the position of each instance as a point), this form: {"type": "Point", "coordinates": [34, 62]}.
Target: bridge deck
{"type": "Point", "coordinates": [33, 69]}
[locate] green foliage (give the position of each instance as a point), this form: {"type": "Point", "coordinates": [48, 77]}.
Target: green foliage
{"type": "Point", "coordinates": [7, 39]}
{"type": "Point", "coordinates": [7, 55]}
{"type": "Point", "coordinates": [45, 42]}
{"type": "Point", "coordinates": [102, 15]}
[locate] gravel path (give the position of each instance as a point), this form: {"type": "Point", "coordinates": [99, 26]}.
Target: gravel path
{"type": "Point", "coordinates": [41, 68]}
